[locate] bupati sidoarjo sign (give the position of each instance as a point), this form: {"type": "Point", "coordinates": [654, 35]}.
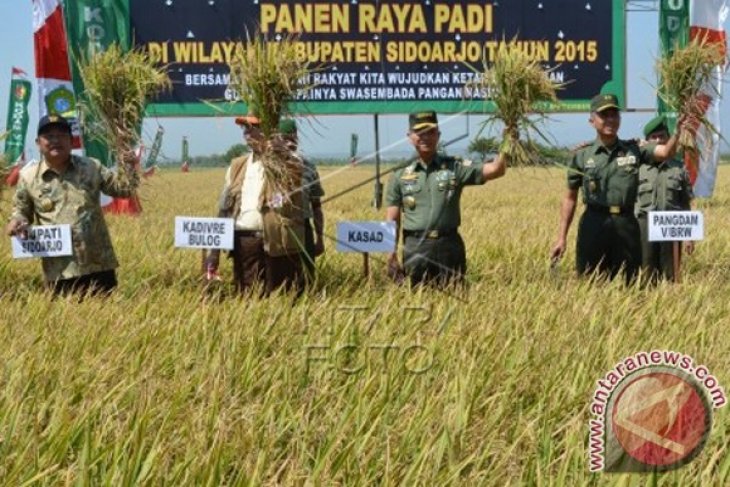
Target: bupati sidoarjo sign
{"type": "Point", "coordinates": [385, 56]}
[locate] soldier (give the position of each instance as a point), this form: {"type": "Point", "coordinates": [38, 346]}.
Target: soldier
{"type": "Point", "coordinates": [269, 227]}
{"type": "Point", "coordinates": [665, 187]}
{"type": "Point", "coordinates": [427, 195]}
{"type": "Point", "coordinates": [608, 172]}
{"type": "Point", "coordinates": [64, 189]}
{"type": "Point", "coordinates": [312, 200]}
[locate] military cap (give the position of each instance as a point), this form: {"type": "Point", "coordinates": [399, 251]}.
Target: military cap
{"type": "Point", "coordinates": [422, 120]}
{"type": "Point", "coordinates": [248, 120]}
{"type": "Point", "coordinates": [287, 126]}
{"type": "Point", "coordinates": [655, 124]}
{"type": "Point", "coordinates": [48, 121]}
{"type": "Point", "coordinates": [604, 102]}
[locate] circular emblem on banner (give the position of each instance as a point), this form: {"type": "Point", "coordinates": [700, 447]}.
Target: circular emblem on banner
{"type": "Point", "coordinates": [20, 92]}
{"type": "Point", "coordinates": [60, 101]}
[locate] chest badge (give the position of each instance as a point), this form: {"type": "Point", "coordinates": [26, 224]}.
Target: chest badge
{"type": "Point", "coordinates": [409, 202]}
{"type": "Point", "coordinates": [47, 204]}
{"type": "Point", "coordinates": [590, 163]}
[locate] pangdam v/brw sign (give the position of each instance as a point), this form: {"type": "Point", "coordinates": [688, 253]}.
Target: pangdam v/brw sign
{"type": "Point", "coordinates": [385, 56]}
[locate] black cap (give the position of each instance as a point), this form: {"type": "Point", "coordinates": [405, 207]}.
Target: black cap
{"type": "Point", "coordinates": [422, 120]}
{"type": "Point", "coordinates": [53, 121]}
{"type": "Point", "coordinates": [604, 102]}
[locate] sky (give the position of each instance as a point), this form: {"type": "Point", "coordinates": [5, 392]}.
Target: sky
{"type": "Point", "coordinates": [329, 136]}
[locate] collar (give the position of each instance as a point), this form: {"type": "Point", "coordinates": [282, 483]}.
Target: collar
{"type": "Point", "coordinates": [44, 167]}
{"type": "Point", "coordinates": [598, 147]}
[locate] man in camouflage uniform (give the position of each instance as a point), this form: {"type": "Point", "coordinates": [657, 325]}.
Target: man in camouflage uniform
{"type": "Point", "coordinates": [64, 189]}
{"type": "Point", "coordinates": [312, 194]}
{"type": "Point", "coordinates": [426, 196]}
{"type": "Point", "coordinates": [665, 187]}
{"type": "Point", "coordinates": [608, 173]}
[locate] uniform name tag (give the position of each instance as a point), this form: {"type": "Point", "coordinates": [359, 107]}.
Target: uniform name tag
{"type": "Point", "coordinates": [675, 226]}
{"type": "Point", "coordinates": [204, 233]}
{"type": "Point", "coordinates": [43, 241]}
{"type": "Point", "coordinates": [626, 161]}
{"type": "Point", "coordinates": [366, 236]}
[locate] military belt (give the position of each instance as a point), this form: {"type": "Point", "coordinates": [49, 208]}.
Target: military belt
{"type": "Point", "coordinates": [611, 210]}
{"type": "Point", "coordinates": [430, 234]}
{"type": "Point", "coordinates": [248, 233]}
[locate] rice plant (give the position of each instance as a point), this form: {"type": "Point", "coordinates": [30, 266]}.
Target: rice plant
{"type": "Point", "coordinates": [687, 83]}
{"type": "Point", "coordinates": [118, 84]}
{"type": "Point", "coordinates": [360, 381]}
{"type": "Point", "coordinates": [520, 88]}
{"type": "Point", "coordinates": [267, 75]}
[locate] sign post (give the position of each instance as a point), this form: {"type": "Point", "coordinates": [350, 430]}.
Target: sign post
{"type": "Point", "coordinates": [366, 237]}
{"type": "Point", "coordinates": [676, 227]}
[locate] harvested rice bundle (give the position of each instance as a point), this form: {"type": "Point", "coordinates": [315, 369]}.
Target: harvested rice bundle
{"type": "Point", "coordinates": [519, 87]}
{"type": "Point", "coordinates": [686, 83]}
{"type": "Point", "coordinates": [267, 75]}
{"type": "Point", "coordinates": [118, 86]}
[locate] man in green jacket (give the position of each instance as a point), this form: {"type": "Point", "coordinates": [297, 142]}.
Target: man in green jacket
{"type": "Point", "coordinates": [608, 172]}
{"type": "Point", "coordinates": [425, 196]}
{"type": "Point", "coordinates": [664, 187]}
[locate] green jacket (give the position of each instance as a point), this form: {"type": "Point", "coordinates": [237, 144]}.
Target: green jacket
{"type": "Point", "coordinates": [429, 195]}
{"type": "Point", "coordinates": [609, 176]}
{"type": "Point", "coordinates": [665, 187]}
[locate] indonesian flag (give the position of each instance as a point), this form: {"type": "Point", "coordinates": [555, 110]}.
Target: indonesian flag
{"type": "Point", "coordinates": [52, 67]}
{"type": "Point", "coordinates": [707, 18]}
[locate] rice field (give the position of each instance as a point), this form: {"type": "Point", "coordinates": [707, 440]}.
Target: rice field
{"type": "Point", "coordinates": [360, 382]}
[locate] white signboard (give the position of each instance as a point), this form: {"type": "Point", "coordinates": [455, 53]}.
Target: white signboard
{"type": "Point", "coordinates": [675, 226]}
{"type": "Point", "coordinates": [369, 237]}
{"type": "Point", "coordinates": [204, 233]}
{"type": "Point", "coordinates": [43, 241]}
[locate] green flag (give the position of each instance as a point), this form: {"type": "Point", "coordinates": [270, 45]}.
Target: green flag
{"type": "Point", "coordinates": [17, 124]}
{"type": "Point", "coordinates": [353, 146]}
{"type": "Point", "coordinates": [155, 150]}
{"type": "Point", "coordinates": [185, 154]}
{"type": "Point", "coordinates": [92, 26]}
{"type": "Point", "coordinates": [673, 33]}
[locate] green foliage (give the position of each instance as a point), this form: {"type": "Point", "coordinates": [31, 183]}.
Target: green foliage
{"type": "Point", "coordinates": [483, 146]}
{"type": "Point", "coordinates": [236, 150]}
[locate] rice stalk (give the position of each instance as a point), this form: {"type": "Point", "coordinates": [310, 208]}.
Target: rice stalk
{"type": "Point", "coordinates": [267, 75]}
{"type": "Point", "coordinates": [686, 85]}
{"type": "Point", "coordinates": [518, 86]}
{"type": "Point", "coordinates": [118, 85]}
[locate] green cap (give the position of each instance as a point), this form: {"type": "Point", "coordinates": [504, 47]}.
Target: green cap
{"type": "Point", "coordinates": [422, 120]}
{"type": "Point", "coordinates": [287, 126]}
{"type": "Point", "coordinates": [604, 102]}
{"type": "Point", "coordinates": [657, 123]}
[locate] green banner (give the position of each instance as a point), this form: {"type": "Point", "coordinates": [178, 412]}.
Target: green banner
{"type": "Point", "coordinates": [17, 124]}
{"type": "Point", "coordinates": [92, 26]}
{"type": "Point", "coordinates": [673, 33]}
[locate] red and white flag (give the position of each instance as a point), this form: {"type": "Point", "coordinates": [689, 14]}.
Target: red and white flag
{"type": "Point", "coordinates": [52, 66]}
{"type": "Point", "coordinates": [707, 18]}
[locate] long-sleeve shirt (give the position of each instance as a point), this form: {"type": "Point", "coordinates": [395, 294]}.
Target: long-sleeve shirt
{"type": "Point", "coordinates": [45, 197]}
